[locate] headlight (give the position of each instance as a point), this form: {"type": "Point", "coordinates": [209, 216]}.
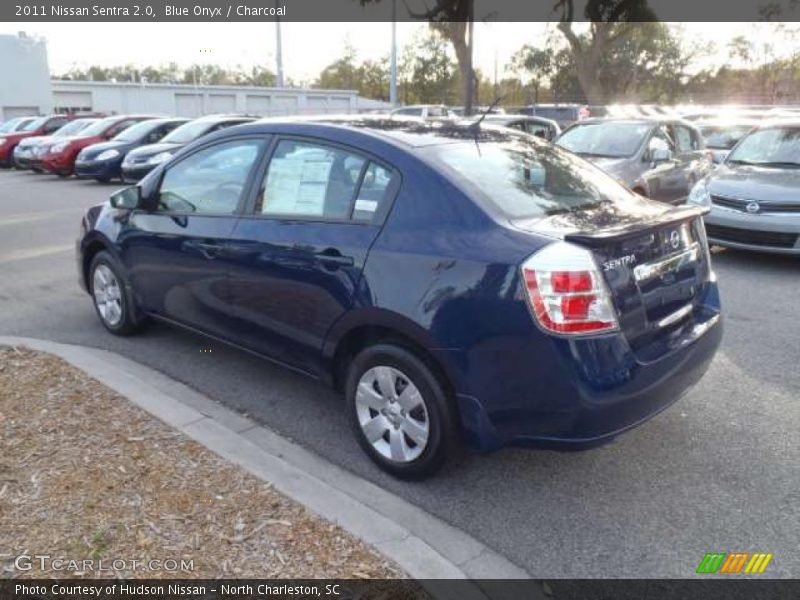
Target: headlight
{"type": "Point", "coordinates": [699, 194]}
{"type": "Point", "coordinates": [159, 158]}
{"type": "Point", "coordinates": [107, 155]}
{"type": "Point", "coordinates": [2, 141]}
{"type": "Point", "coordinates": [59, 147]}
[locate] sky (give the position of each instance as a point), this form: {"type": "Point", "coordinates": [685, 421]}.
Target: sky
{"type": "Point", "coordinates": [248, 44]}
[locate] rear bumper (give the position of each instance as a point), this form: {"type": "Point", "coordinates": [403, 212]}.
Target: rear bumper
{"type": "Point", "coordinates": [564, 393]}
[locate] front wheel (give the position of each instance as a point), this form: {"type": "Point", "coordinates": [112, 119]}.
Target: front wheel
{"type": "Point", "coordinates": [399, 411]}
{"type": "Point", "coordinates": [112, 302]}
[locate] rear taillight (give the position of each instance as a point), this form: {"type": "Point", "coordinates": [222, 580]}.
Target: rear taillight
{"type": "Point", "coordinates": [566, 291]}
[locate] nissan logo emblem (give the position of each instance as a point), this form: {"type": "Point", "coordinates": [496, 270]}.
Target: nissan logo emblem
{"type": "Point", "coordinates": [752, 207]}
{"type": "Point", "coordinates": [675, 239]}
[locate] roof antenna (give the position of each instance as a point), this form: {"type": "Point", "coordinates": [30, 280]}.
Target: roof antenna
{"type": "Point", "coordinates": [497, 101]}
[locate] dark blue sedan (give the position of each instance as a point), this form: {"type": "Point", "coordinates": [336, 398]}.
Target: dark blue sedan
{"type": "Point", "coordinates": [103, 161]}
{"type": "Point", "coordinates": [456, 283]}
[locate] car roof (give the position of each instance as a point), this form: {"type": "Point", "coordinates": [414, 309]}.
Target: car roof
{"type": "Point", "coordinates": [781, 122]}
{"type": "Point", "coordinates": [226, 117]}
{"type": "Point", "coordinates": [404, 132]}
{"type": "Point", "coordinates": [645, 119]}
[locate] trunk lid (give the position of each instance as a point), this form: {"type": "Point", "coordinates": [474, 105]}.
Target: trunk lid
{"type": "Point", "coordinates": [653, 258]}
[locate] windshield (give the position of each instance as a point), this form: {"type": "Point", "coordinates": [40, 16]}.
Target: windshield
{"type": "Point", "coordinates": [11, 125]}
{"type": "Point", "coordinates": [99, 127]}
{"type": "Point", "coordinates": [721, 137]}
{"type": "Point", "coordinates": [525, 178]}
{"type": "Point", "coordinates": [35, 124]}
{"type": "Point", "coordinates": [135, 132]}
{"type": "Point", "coordinates": [610, 139]}
{"type": "Point", "coordinates": [74, 127]}
{"type": "Point", "coordinates": [772, 146]}
{"type": "Point", "coordinates": [188, 132]}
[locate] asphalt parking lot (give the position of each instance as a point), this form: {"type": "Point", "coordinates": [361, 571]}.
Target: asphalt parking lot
{"type": "Point", "coordinates": [718, 472]}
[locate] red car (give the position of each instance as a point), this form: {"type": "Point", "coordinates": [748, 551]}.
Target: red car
{"type": "Point", "coordinates": [37, 126]}
{"type": "Point", "coordinates": [60, 157]}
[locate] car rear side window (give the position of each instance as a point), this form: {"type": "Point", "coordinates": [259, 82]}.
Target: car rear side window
{"type": "Point", "coordinates": [209, 181]}
{"type": "Point", "coordinates": [372, 193]}
{"type": "Point", "coordinates": [526, 178]}
{"type": "Point", "coordinates": [305, 179]}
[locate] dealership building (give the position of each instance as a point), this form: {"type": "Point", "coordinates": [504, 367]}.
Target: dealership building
{"type": "Point", "coordinates": [27, 89]}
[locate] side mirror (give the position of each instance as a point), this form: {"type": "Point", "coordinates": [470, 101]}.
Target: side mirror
{"type": "Point", "coordinates": [128, 198]}
{"type": "Point", "coordinates": [659, 155]}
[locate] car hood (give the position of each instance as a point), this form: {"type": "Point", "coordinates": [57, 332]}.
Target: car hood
{"type": "Point", "coordinates": [609, 165]}
{"type": "Point", "coordinates": [18, 135]}
{"type": "Point", "coordinates": [755, 183]}
{"type": "Point", "coordinates": [80, 141]}
{"type": "Point", "coordinates": [35, 140]}
{"type": "Point", "coordinates": [95, 149]}
{"type": "Point", "coordinates": [153, 149]}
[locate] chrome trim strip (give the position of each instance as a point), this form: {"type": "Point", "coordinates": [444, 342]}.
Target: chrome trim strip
{"type": "Point", "coordinates": [675, 316]}
{"type": "Point", "coordinates": [649, 271]}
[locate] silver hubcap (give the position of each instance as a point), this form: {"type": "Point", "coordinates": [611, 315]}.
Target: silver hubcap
{"type": "Point", "coordinates": [107, 295]}
{"type": "Point", "coordinates": [392, 414]}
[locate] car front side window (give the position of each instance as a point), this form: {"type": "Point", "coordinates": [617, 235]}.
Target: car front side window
{"type": "Point", "coordinates": [210, 181]}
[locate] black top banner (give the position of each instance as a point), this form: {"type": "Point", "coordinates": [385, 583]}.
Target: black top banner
{"type": "Point", "coordinates": [400, 10]}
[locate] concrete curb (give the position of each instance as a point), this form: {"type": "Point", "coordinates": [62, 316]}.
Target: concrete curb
{"type": "Point", "coordinates": [423, 545]}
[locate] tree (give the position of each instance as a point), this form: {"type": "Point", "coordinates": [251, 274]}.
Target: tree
{"type": "Point", "coordinates": [433, 71]}
{"type": "Point", "coordinates": [452, 19]}
{"type": "Point", "coordinates": [610, 21]}
{"type": "Point", "coordinates": [539, 64]}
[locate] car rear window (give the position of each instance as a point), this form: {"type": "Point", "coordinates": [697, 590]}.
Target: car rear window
{"type": "Point", "coordinates": [527, 178]}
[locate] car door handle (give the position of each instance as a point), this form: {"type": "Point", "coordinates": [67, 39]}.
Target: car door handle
{"type": "Point", "coordinates": [333, 257]}
{"type": "Point", "coordinates": [210, 251]}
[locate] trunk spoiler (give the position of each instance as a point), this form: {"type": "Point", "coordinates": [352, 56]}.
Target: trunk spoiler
{"type": "Point", "coordinates": [679, 215]}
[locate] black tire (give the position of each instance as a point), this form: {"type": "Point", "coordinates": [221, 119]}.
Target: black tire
{"type": "Point", "coordinates": [129, 321]}
{"type": "Point", "coordinates": [63, 175]}
{"type": "Point", "coordinates": [442, 442]}
{"type": "Point", "coordinates": [102, 179]}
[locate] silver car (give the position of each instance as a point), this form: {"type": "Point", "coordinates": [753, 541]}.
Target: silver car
{"type": "Point", "coordinates": [754, 195]}
{"type": "Point", "coordinates": [660, 158]}
{"type": "Point", "coordinates": [722, 134]}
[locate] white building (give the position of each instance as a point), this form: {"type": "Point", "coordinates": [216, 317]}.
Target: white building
{"type": "Point", "coordinates": [24, 77]}
{"type": "Point", "coordinates": [26, 89]}
{"type": "Point", "coordinates": [194, 101]}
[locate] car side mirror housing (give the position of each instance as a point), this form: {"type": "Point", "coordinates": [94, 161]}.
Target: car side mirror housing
{"type": "Point", "coordinates": [129, 198]}
{"type": "Point", "coordinates": [661, 155]}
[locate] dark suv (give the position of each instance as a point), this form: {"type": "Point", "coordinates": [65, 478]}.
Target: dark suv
{"type": "Point", "coordinates": [454, 282]}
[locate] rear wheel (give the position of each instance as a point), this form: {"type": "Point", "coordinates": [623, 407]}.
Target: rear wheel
{"type": "Point", "coordinates": [399, 411]}
{"type": "Point", "coordinates": [112, 302]}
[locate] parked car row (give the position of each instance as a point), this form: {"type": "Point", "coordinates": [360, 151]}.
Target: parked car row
{"type": "Point", "coordinates": [122, 147]}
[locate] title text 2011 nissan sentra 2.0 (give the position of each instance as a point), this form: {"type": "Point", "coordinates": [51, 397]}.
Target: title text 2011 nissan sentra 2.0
{"type": "Point", "coordinates": [457, 283]}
